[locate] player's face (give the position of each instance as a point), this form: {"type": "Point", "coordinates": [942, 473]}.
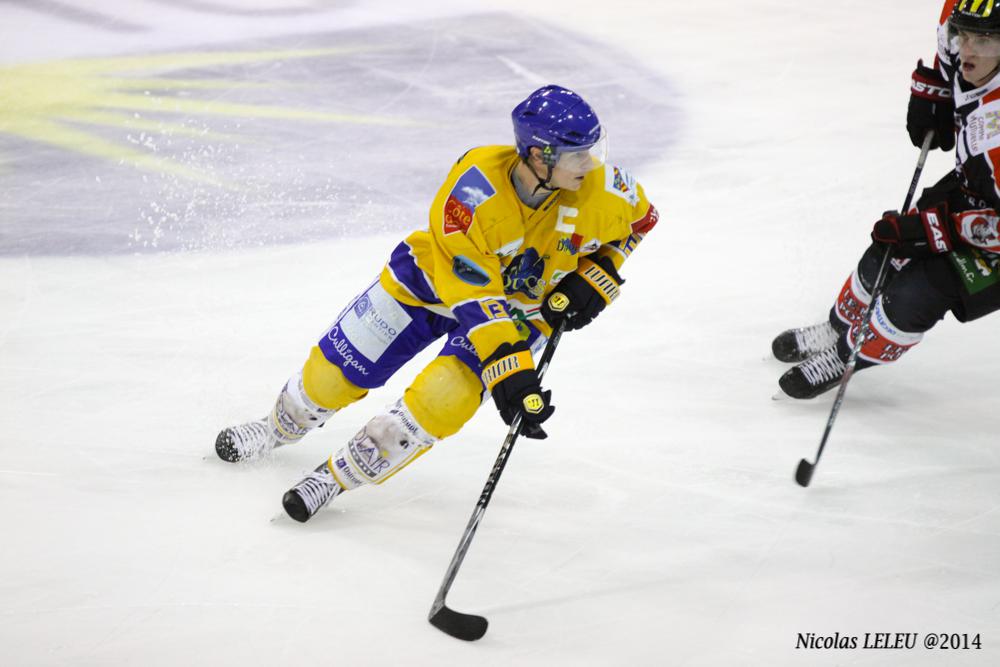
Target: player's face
{"type": "Point", "coordinates": [573, 165]}
{"type": "Point", "coordinates": [565, 180]}
{"type": "Point", "coordinates": [568, 178]}
{"type": "Point", "coordinates": [979, 54]}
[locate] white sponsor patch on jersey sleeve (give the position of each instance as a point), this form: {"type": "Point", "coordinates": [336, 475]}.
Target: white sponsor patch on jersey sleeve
{"type": "Point", "coordinates": [619, 182]}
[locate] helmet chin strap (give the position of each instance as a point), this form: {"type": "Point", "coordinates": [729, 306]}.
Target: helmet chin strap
{"type": "Point", "coordinates": [993, 73]}
{"type": "Point", "coordinates": [543, 183]}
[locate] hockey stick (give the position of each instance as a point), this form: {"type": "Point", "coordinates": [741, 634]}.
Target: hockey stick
{"type": "Point", "coordinates": [804, 473]}
{"type": "Point", "coordinates": [469, 626]}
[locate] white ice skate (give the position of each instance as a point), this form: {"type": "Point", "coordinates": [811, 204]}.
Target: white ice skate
{"type": "Point", "coordinates": [245, 442]}
{"type": "Point", "coordinates": [315, 490]}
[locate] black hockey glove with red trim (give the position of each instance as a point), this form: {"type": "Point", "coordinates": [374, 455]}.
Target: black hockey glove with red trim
{"type": "Point", "coordinates": [920, 234]}
{"type": "Point", "coordinates": [582, 295]}
{"type": "Point", "coordinates": [509, 373]}
{"type": "Point", "coordinates": [932, 107]}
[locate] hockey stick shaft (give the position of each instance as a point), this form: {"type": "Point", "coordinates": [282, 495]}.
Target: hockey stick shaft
{"type": "Point", "coordinates": [491, 483]}
{"type": "Point", "coordinates": [804, 473]}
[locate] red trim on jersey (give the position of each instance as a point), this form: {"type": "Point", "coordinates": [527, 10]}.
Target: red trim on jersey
{"type": "Point", "coordinates": [949, 6]}
{"type": "Point", "coordinates": [646, 222]}
{"type": "Point", "coordinates": [991, 96]}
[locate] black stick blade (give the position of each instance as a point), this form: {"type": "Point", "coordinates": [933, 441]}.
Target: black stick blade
{"type": "Point", "coordinates": [804, 473]}
{"type": "Point", "coordinates": [467, 627]}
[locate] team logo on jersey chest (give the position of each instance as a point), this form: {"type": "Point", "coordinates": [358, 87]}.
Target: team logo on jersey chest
{"type": "Point", "coordinates": [470, 190]}
{"type": "Point", "coordinates": [524, 275]}
{"type": "Point", "coordinates": [980, 228]}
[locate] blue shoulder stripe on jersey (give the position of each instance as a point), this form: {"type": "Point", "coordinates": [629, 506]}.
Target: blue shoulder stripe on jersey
{"type": "Point", "coordinates": [404, 266]}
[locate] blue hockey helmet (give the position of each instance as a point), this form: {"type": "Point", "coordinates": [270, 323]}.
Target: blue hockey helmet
{"type": "Point", "coordinates": [562, 125]}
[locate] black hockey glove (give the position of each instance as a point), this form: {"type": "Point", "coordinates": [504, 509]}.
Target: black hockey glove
{"type": "Point", "coordinates": [920, 234]}
{"type": "Point", "coordinates": [582, 295]}
{"type": "Point", "coordinates": [510, 374]}
{"type": "Point", "coordinates": [932, 107]}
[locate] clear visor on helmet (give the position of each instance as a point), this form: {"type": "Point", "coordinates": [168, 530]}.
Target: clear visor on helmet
{"type": "Point", "coordinates": [982, 44]}
{"type": "Point", "coordinates": [585, 158]}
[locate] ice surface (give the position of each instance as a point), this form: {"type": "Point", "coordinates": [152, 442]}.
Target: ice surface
{"type": "Point", "coordinates": [658, 525]}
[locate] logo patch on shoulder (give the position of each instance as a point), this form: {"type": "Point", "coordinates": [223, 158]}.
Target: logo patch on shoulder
{"type": "Point", "coordinates": [619, 182]}
{"type": "Point", "coordinates": [470, 190]}
{"type": "Point", "coordinates": [469, 272]}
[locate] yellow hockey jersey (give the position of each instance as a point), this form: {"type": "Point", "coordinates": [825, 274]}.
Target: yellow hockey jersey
{"type": "Point", "coordinates": [489, 260]}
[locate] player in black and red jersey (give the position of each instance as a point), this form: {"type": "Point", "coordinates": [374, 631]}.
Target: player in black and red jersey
{"type": "Point", "coordinates": [946, 251]}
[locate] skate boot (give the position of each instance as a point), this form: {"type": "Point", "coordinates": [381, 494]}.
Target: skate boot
{"type": "Point", "coordinates": [294, 414]}
{"type": "Point", "coordinates": [795, 345]}
{"type": "Point", "coordinates": [315, 490]}
{"type": "Point", "coordinates": [814, 376]}
{"type": "Point", "coordinates": [245, 442]}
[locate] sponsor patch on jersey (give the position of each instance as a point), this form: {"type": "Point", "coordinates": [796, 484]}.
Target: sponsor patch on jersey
{"type": "Point", "coordinates": [570, 244]}
{"type": "Point", "coordinates": [590, 246]}
{"type": "Point", "coordinates": [980, 228]}
{"type": "Point", "coordinates": [469, 272]}
{"type": "Point", "coordinates": [494, 309]}
{"type": "Point", "coordinates": [470, 190]}
{"type": "Point", "coordinates": [978, 270]}
{"type": "Point", "coordinates": [510, 248]}
{"type": "Point", "coordinates": [558, 275]}
{"type": "Point", "coordinates": [374, 322]}
{"type": "Point", "coordinates": [982, 129]}
{"type": "Point", "coordinates": [619, 182]}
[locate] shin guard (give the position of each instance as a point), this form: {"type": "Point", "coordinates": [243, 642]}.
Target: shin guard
{"type": "Point", "coordinates": [386, 444]}
{"type": "Point", "coordinates": [884, 342]}
{"type": "Point", "coordinates": [851, 303]}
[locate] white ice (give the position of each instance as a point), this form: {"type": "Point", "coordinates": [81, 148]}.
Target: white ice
{"type": "Point", "coordinates": [658, 525]}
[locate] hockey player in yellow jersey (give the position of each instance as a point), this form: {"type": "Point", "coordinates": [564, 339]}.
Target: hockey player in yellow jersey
{"type": "Point", "coordinates": [519, 239]}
